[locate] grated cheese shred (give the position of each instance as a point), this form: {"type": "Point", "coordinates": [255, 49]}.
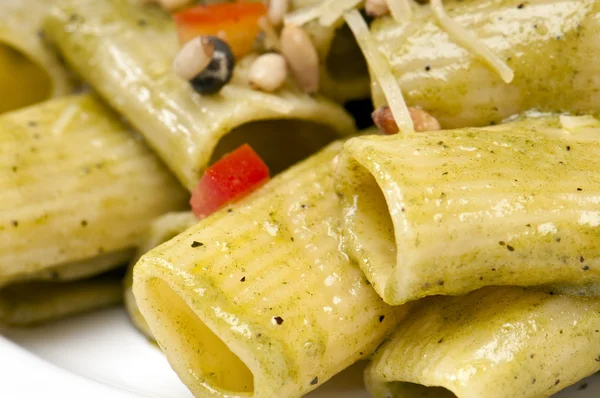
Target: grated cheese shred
{"type": "Point", "coordinates": [334, 10]}
{"type": "Point", "coordinates": [381, 70]}
{"type": "Point", "coordinates": [400, 10]}
{"type": "Point", "coordinates": [470, 41]}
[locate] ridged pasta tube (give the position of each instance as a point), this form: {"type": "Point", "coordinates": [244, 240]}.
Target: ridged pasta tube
{"type": "Point", "coordinates": [258, 299]}
{"type": "Point", "coordinates": [161, 230]}
{"type": "Point", "coordinates": [78, 191]}
{"type": "Point", "coordinates": [500, 342]}
{"type": "Point", "coordinates": [452, 211]}
{"type": "Point", "coordinates": [129, 63]}
{"type": "Point", "coordinates": [29, 71]}
{"type": "Point", "coordinates": [550, 45]}
{"type": "Point", "coordinates": [26, 304]}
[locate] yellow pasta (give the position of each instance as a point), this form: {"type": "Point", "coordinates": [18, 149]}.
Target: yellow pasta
{"type": "Point", "coordinates": [550, 46]}
{"type": "Point", "coordinates": [161, 230]}
{"type": "Point", "coordinates": [262, 291]}
{"type": "Point", "coordinates": [130, 64]}
{"type": "Point", "coordinates": [27, 304]}
{"type": "Point", "coordinates": [78, 191]}
{"type": "Point", "coordinates": [501, 342]}
{"type": "Point", "coordinates": [451, 211]}
{"type": "Point", "coordinates": [29, 71]}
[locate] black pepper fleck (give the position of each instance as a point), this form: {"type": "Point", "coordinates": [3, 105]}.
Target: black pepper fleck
{"type": "Point", "coordinates": [32, 123]}
{"type": "Point", "coordinates": [197, 244]}
{"type": "Point", "coordinates": [142, 22]}
{"type": "Point", "coordinates": [428, 68]}
{"type": "Point", "coordinates": [441, 283]}
{"type": "Point", "coordinates": [381, 318]}
{"type": "Point", "coordinates": [510, 248]}
{"type": "Point", "coordinates": [440, 340]}
{"type": "Point", "coordinates": [243, 279]}
{"type": "Point", "coordinates": [551, 293]}
{"type": "Point", "coordinates": [579, 189]}
{"type": "Point", "coordinates": [304, 206]}
{"type": "Point", "coordinates": [586, 268]}
{"type": "Point", "coordinates": [533, 381]}
{"type": "Point", "coordinates": [581, 259]}
{"type": "Point", "coordinates": [532, 355]}
{"type": "Point", "coordinates": [314, 381]}
{"type": "Point", "coordinates": [583, 386]}
{"type": "Point", "coordinates": [598, 359]}
{"type": "Point", "coordinates": [493, 269]}
{"type": "Point", "coordinates": [521, 6]}
{"type": "Point", "coordinates": [528, 225]}
{"type": "Point", "coordinates": [568, 147]}
{"type": "Point", "coordinates": [556, 382]}
{"type": "Point", "coordinates": [14, 223]}
{"type": "Point", "coordinates": [558, 240]}
{"type": "Point", "coordinates": [14, 169]}
{"type": "Point", "coordinates": [279, 320]}
{"type": "Point", "coordinates": [84, 223]}
{"type": "Point", "coordinates": [501, 243]}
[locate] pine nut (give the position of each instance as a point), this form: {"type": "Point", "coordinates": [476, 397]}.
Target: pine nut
{"type": "Point", "coordinates": [268, 72]}
{"type": "Point", "coordinates": [277, 10]}
{"type": "Point", "coordinates": [302, 57]}
{"type": "Point", "coordinates": [422, 120]}
{"type": "Point", "coordinates": [193, 58]}
{"type": "Point", "coordinates": [376, 8]}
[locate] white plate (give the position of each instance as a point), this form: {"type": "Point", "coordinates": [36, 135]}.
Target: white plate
{"type": "Point", "coordinates": [101, 355]}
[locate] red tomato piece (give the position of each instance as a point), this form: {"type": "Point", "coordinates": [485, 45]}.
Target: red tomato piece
{"type": "Point", "coordinates": [235, 23]}
{"type": "Point", "coordinates": [233, 177]}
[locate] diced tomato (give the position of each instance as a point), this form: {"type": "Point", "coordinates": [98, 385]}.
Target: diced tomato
{"type": "Point", "coordinates": [235, 23]}
{"type": "Point", "coordinates": [234, 176]}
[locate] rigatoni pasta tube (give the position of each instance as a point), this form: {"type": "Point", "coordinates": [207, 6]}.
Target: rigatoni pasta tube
{"type": "Point", "coordinates": [161, 230]}
{"type": "Point", "coordinates": [449, 212]}
{"type": "Point", "coordinates": [130, 64]}
{"type": "Point", "coordinates": [499, 342]}
{"type": "Point", "coordinates": [78, 191]}
{"type": "Point", "coordinates": [550, 46]}
{"type": "Point", "coordinates": [258, 299]}
{"type": "Point", "coordinates": [29, 71]}
{"type": "Point", "coordinates": [26, 304]}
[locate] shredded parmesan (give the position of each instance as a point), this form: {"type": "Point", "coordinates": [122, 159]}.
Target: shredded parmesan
{"type": "Point", "coordinates": [65, 118]}
{"type": "Point", "coordinates": [400, 10]}
{"type": "Point", "coordinates": [327, 12]}
{"type": "Point", "coordinates": [470, 41]}
{"type": "Point", "coordinates": [572, 123]}
{"type": "Point", "coordinates": [333, 10]}
{"type": "Point", "coordinates": [303, 15]}
{"type": "Point", "coordinates": [380, 69]}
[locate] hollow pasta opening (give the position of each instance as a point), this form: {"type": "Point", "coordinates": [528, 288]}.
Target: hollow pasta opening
{"type": "Point", "coordinates": [403, 389]}
{"type": "Point", "coordinates": [194, 351]}
{"type": "Point", "coordinates": [23, 81]}
{"type": "Point", "coordinates": [280, 142]}
{"type": "Point", "coordinates": [368, 223]}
